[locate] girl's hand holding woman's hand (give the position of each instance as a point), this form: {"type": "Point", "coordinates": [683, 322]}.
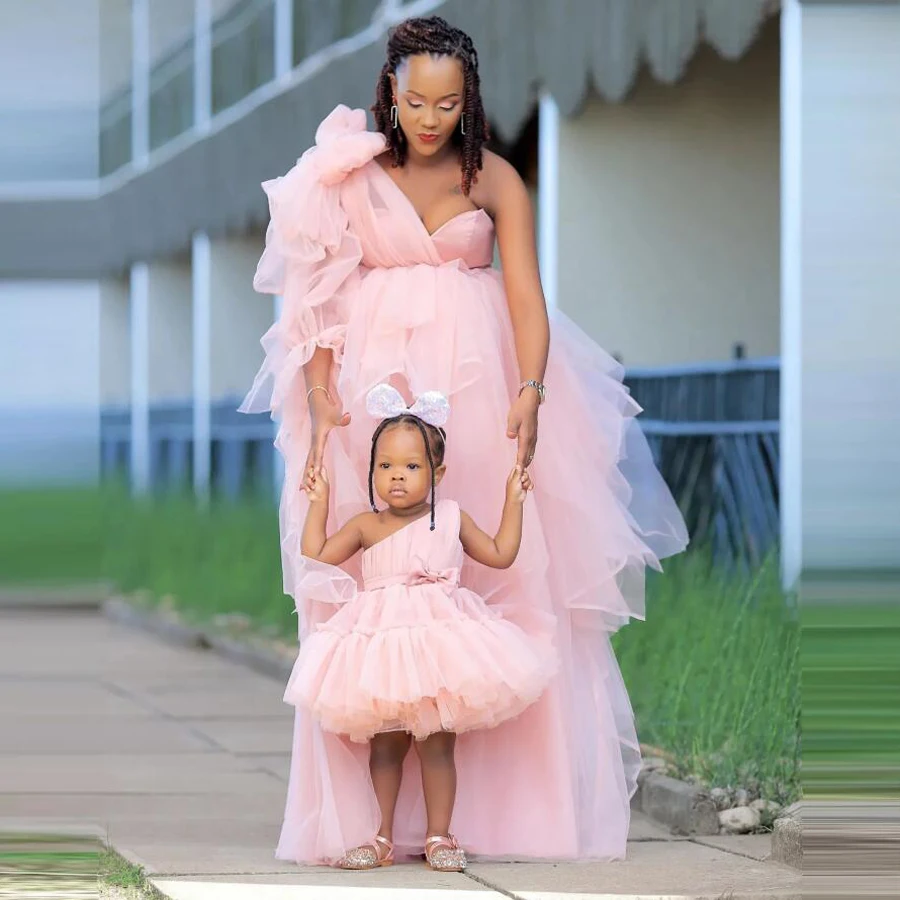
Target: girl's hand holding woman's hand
{"type": "Point", "coordinates": [318, 493]}
{"type": "Point", "coordinates": [326, 412]}
{"type": "Point", "coordinates": [518, 485]}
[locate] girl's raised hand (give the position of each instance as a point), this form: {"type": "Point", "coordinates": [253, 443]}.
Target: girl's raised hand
{"type": "Point", "coordinates": [518, 485]}
{"type": "Point", "coordinates": [318, 490]}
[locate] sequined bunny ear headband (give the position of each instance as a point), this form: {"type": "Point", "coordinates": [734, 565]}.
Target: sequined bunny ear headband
{"type": "Point", "coordinates": [386, 402]}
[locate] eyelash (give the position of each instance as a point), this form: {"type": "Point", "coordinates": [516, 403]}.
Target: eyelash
{"type": "Point", "coordinates": [442, 108]}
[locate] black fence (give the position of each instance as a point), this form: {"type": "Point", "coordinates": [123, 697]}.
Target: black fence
{"type": "Point", "coordinates": [713, 430]}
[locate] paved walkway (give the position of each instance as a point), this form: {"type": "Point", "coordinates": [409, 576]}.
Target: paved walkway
{"type": "Point", "coordinates": [180, 758]}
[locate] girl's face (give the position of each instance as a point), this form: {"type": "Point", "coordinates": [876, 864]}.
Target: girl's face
{"type": "Point", "coordinates": [428, 91]}
{"type": "Point", "coordinates": [402, 476]}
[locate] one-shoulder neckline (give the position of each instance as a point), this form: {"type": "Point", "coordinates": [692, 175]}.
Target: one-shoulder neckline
{"type": "Point", "coordinates": [414, 212]}
{"type": "Point", "coordinates": [394, 534]}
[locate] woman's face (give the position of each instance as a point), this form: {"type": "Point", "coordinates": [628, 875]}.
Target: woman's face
{"type": "Point", "coordinates": [428, 91]}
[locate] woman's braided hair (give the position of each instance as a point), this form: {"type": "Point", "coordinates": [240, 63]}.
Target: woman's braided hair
{"type": "Point", "coordinates": [435, 441]}
{"type": "Point", "coordinates": [433, 35]}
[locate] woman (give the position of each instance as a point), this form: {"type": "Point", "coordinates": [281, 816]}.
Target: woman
{"type": "Point", "coordinates": [381, 245]}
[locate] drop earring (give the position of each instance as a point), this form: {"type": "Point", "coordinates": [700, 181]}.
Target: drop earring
{"type": "Point", "coordinates": [462, 124]}
{"type": "Point", "coordinates": [395, 115]}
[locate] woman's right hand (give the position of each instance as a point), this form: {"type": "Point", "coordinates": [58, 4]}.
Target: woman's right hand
{"type": "Point", "coordinates": [326, 412]}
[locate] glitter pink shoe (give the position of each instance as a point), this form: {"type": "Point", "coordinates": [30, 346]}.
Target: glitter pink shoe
{"type": "Point", "coordinates": [368, 856]}
{"type": "Point", "coordinates": [443, 854]}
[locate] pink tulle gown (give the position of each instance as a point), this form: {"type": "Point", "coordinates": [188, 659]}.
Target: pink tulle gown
{"type": "Point", "coordinates": [360, 274]}
{"type": "Point", "coordinates": [415, 651]}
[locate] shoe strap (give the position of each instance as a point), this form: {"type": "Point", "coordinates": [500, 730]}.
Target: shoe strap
{"type": "Point", "coordinates": [446, 839]}
{"type": "Point", "coordinates": [389, 847]}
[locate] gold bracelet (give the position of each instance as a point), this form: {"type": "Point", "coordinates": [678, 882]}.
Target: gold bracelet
{"type": "Point", "coordinates": [317, 387]}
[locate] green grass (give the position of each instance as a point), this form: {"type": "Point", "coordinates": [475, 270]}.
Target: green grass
{"type": "Point", "coordinates": [65, 865]}
{"type": "Point", "coordinates": [51, 536]}
{"type": "Point", "coordinates": [850, 654]}
{"type": "Point", "coordinates": [116, 871]}
{"type": "Point", "coordinates": [713, 675]}
{"type": "Point", "coordinates": [222, 559]}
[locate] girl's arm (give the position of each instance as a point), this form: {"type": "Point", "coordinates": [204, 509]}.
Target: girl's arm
{"type": "Point", "coordinates": [333, 550]}
{"type": "Point", "coordinates": [500, 551]}
{"type": "Point", "coordinates": [314, 542]}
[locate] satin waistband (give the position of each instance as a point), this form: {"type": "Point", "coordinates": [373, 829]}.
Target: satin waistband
{"type": "Point", "coordinates": [423, 575]}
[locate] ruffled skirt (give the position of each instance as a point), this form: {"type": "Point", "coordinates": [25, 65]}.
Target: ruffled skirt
{"type": "Point", "coordinates": [419, 659]}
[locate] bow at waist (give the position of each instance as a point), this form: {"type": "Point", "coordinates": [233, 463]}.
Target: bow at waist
{"type": "Point", "coordinates": [418, 576]}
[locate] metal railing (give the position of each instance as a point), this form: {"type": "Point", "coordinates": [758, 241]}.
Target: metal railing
{"type": "Point", "coordinates": [243, 458]}
{"type": "Point", "coordinates": [713, 430]}
{"type": "Point", "coordinates": [243, 59]}
{"type": "Point", "coordinates": [172, 94]}
{"type": "Point", "coordinates": [115, 131]}
{"type": "Point", "coordinates": [243, 52]}
{"type": "Point", "coordinates": [317, 25]}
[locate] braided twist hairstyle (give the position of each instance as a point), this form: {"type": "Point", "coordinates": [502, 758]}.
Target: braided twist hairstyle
{"type": "Point", "coordinates": [434, 36]}
{"type": "Point", "coordinates": [435, 442]}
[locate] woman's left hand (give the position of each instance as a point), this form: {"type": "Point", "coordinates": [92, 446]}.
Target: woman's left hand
{"type": "Point", "coordinates": [523, 425]}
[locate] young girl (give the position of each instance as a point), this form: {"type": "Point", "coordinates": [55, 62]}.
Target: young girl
{"type": "Point", "coordinates": [415, 657]}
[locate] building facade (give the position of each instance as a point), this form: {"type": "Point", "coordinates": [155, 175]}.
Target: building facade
{"type": "Point", "coordinates": [657, 138]}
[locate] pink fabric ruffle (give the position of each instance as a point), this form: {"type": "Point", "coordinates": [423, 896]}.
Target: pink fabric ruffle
{"type": "Point", "coordinates": [310, 259]}
{"type": "Point", "coordinates": [366, 674]}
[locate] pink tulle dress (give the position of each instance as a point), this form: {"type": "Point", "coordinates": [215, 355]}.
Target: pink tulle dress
{"type": "Point", "coordinates": [414, 651]}
{"type": "Point", "coordinates": [359, 273]}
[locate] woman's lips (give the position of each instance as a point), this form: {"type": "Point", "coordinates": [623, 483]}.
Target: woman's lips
{"type": "Point", "coordinates": [428, 138]}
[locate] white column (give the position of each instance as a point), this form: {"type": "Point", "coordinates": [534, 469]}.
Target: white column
{"type": "Point", "coordinates": [140, 82]}
{"type": "Point", "coordinates": [202, 64]}
{"type": "Point", "coordinates": [140, 380]}
{"type": "Point", "coordinates": [850, 269]}
{"type": "Point", "coordinates": [791, 294]}
{"type": "Point", "coordinates": [548, 196]}
{"type": "Point", "coordinates": [202, 301]}
{"type": "Point", "coordinates": [284, 38]}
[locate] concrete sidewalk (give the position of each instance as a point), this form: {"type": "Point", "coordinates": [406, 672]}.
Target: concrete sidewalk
{"type": "Point", "coordinates": [181, 759]}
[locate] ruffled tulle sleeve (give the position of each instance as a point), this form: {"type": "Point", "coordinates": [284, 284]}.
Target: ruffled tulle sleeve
{"type": "Point", "coordinates": [311, 257]}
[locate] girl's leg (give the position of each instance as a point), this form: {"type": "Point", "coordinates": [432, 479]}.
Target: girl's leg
{"type": "Point", "coordinates": [386, 754]}
{"type": "Point", "coordinates": [438, 779]}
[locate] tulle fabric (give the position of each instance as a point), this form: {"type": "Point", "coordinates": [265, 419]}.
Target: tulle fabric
{"type": "Point", "coordinates": [362, 275]}
{"type": "Point", "coordinates": [416, 652]}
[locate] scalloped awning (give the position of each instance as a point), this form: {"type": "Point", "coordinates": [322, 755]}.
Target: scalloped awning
{"type": "Point", "coordinates": [569, 46]}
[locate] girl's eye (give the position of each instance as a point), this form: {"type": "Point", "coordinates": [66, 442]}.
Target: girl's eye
{"type": "Point", "coordinates": [413, 466]}
{"type": "Point", "coordinates": [448, 108]}
{"type": "Point", "coordinates": [415, 105]}
{"type": "Point", "coordinates": [385, 465]}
